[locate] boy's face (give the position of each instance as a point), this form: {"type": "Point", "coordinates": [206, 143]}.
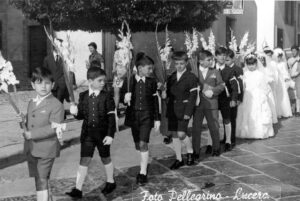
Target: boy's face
{"type": "Point", "coordinates": [294, 52]}
{"type": "Point", "coordinates": [207, 62]}
{"type": "Point", "coordinates": [145, 71]}
{"type": "Point", "coordinates": [98, 83]}
{"type": "Point", "coordinates": [229, 61]}
{"type": "Point", "coordinates": [92, 49]}
{"type": "Point", "coordinates": [42, 88]}
{"type": "Point", "coordinates": [221, 58]}
{"type": "Point", "coordinates": [180, 65]}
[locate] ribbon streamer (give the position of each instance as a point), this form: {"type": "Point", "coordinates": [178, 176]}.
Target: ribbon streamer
{"type": "Point", "coordinates": [59, 131]}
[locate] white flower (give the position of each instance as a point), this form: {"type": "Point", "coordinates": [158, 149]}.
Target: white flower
{"type": "Point", "coordinates": [211, 42]}
{"type": "Point", "coordinates": [189, 45]}
{"type": "Point", "coordinates": [244, 41]}
{"type": "Point", "coordinates": [204, 43]}
{"type": "Point", "coordinates": [7, 76]}
{"type": "Point", "coordinates": [232, 43]}
{"type": "Point", "coordinates": [195, 41]}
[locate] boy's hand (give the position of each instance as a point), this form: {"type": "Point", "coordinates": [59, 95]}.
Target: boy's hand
{"type": "Point", "coordinates": [186, 117]}
{"type": "Point", "coordinates": [127, 98]}
{"type": "Point", "coordinates": [156, 125]}
{"type": "Point", "coordinates": [73, 109]}
{"type": "Point", "coordinates": [164, 94]}
{"type": "Point", "coordinates": [209, 93]}
{"type": "Point", "coordinates": [20, 117]}
{"type": "Point", "coordinates": [27, 135]}
{"type": "Point", "coordinates": [108, 140]}
{"type": "Point", "coordinates": [233, 103]}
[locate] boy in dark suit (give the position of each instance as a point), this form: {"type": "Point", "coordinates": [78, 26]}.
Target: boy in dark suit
{"type": "Point", "coordinates": [237, 78]}
{"type": "Point", "coordinates": [228, 98]}
{"type": "Point", "coordinates": [41, 144]}
{"type": "Point", "coordinates": [182, 94]}
{"type": "Point", "coordinates": [211, 85]}
{"type": "Point", "coordinates": [97, 109]}
{"type": "Point", "coordinates": [142, 112]}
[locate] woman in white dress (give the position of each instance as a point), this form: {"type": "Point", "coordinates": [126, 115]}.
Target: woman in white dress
{"type": "Point", "coordinates": [283, 105]}
{"type": "Point", "coordinates": [254, 120]}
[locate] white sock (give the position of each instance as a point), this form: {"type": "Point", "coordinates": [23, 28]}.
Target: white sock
{"type": "Point", "coordinates": [228, 133]}
{"type": "Point", "coordinates": [209, 140]}
{"type": "Point", "coordinates": [144, 162]}
{"type": "Point", "coordinates": [177, 148]}
{"type": "Point", "coordinates": [81, 174]}
{"type": "Point", "coordinates": [188, 144]}
{"type": "Point", "coordinates": [297, 105]}
{"type": "Point", "coordinates": [109, 169]}
{"type": "Point", "coordinates": [42, 195]}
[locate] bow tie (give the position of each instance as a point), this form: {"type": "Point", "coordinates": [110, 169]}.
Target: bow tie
{"type": "Point", "coordinates": [93, 95]}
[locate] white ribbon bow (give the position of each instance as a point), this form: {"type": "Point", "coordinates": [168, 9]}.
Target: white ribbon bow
{"type": "Point", "coordinates": [59, 130]}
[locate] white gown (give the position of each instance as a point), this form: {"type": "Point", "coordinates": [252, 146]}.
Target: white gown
{"type": "Point", "coordinates": [254, 119]}
{"type": "Point", "coordinates": [283, 105]}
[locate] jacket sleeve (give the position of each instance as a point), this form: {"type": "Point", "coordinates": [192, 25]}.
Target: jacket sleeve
{"type": "Point", "coordinates": [80, 107]}
{"type": "Point", "coordinates": [155, 99]}
{"type": "Point", "coordinates": [234, 87]}
{"type": "Point", "coordinates": [220, 85]}
{"type": "Point", "coordinates": [110, 108]}
{"type": "Point", "coordinates": [45, 64]}
{"type": "Point", "coordinates": [57, 116]}
{"type": "Point", "coordinates": [193, 85]}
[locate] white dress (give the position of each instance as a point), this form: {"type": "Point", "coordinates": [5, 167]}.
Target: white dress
{"type": "Point", "coordinates": [254, 119]}
{"type": "Point", "coordinates": [283, 105]}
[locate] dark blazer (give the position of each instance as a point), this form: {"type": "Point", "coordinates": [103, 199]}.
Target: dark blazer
{"type": "Point", "coordinates": [182, 95]}
{"type": "Point", "coordinates": [151, 97]}
{"type": "Point", "coordinates": [213, 81]}
{"type": "Point", "coordinates": [228, 77]}
{"type": "Point", "coordinates": [106, 113]}
{"type": "Point", "coordinates": [238, 73]}
{"type": "Point", "coordinates": [44, 142]}
{"type": "Point", "coordinates": [56, 69]}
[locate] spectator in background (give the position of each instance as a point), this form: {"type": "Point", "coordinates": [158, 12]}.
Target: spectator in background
{"type": "Point", "coordinates": [95, 59]}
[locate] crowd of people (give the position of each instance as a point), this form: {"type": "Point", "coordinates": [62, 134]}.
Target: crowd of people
{"type": "Point", "coordinates": [251, 95]}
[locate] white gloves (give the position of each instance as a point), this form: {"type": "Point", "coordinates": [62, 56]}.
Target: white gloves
{"type": "Point", "coordinates": [127, 98]}
{"type": "Point", "coordinates": [107, 140]}
{"type": "Point", "coordinates": [156, 125]}
{"type": "Point", "coordinates": [209, 93]}
{"type": "Point", "coordinates": [73, 110]}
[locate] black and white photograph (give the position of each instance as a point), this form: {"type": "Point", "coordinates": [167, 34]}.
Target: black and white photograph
{"type": "Point", "coordinates": [149, 100]}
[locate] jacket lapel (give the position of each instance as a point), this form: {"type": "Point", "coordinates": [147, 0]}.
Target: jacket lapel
{"type": "Point", "coordinates": [183, 76]}
{"type": "Point", "coordinates": [43, 104]}
{"type": "Point", "coordinates": [209, 72]}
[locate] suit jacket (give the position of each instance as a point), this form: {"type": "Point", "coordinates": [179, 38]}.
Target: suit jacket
{"type": "Point", "coordinates": [56, 69]}
{"type": "Point", "coordinates": [238, 73]}
{"type": "Point", "coordinates": [213, 81]}
{"type": "Point", "coordinates": [106, 113]}
{"type": "Point", "coordinates": [44, 142]}
{"type": "Point", "coordinates": [182, 95]}
{"type": "Point", "coordinates": [151, 97]}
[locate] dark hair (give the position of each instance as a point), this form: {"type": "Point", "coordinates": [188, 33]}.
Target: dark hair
{"type": "Point", "coordinates": [251, 59]}
{"type": "Point", "coordinates": [203, 54]}
{"type": "Point", "coordinates": [142, 60]}
{"type": "Point", "coordinates": [220, 50]}
{"type": "Point", "coordinates": [180, 55]}
{"type": "Point", "coordinates": [295, 47]}
{"type": "Point", "coordinates": [268, 51]}
{"type": "Point", "coordinates": [93, 44]}
{"type": "Point", "coordinates": [95, 72]}
{"type": "Point", "coordinates": [230, 53]}
{"type": "Point", "coordinates": [39, 74]}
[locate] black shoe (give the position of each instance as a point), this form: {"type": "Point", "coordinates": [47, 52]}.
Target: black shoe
{"type": "Point", "coordinates": [168, 139]}
{"type": "Point", "coordinates": [75, 193]}
{"type": "Point", "coordinates": [209, 149]}
{"type": "Point", "coordinates": [177, 164]}
{"type": "Point", "coordinates": [196, 156]}
{"type": "Point", "coordinates": [223, 141]}
{"type": "Point", "coordinates": [141, 179]}
{"type": "Point", "coordinates": [109, 187]}
{"type": "Point", "coordinates": [190, 160]}
{"type": "Point", "coordinates": [216, 153]}
{"type": "Point", "coordinates": [227, 147]}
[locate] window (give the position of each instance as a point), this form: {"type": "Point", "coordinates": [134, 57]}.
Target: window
{"type": "Point", "coordinates": [289, 12]}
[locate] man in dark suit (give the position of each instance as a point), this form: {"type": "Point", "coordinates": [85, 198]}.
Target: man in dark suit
{"type": "Point", "coordinates": [182, 95]}
{"type": "Point", "coordinates": [211, 85]}
{"type": "Point", "coordinates": [54, 63]}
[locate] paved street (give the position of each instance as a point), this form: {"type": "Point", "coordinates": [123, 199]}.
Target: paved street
{"type": "Point", "coordinates": [269, 167]}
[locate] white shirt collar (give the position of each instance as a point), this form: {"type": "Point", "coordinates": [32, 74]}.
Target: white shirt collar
{"type": "Point", "coordinates": [39, 99]}
{"type": "Point", "coordinates": [138, 78]}
{"type": "Point", "coordinates": [91, 91]}
{"type": "Point", "coordinates": [55, 54]}
{"type": "Point", "coordinates": [203, 69]}
{"type": "Point", "coordinates": [179, 74]}
{"type": "Point", "coordinates": [220, 67]}
{"type": "Point", "coordinates": [231, 65]}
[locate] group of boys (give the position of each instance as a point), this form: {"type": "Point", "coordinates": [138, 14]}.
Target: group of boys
{"type": "Point", "coordinates": [219, 90]}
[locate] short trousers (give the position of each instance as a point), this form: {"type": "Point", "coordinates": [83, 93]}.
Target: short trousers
{"type": "Point", "coordinates": [39, 167]}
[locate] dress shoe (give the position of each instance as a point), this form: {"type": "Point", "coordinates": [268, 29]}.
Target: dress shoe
{"type": "Point", "coordinates": [141, 179]}
{"type": "Point", "coordinates": [109, 187]}
{"type": "Point", "coordinates": [216, 153]}
{"type": "Point", "coordinates": [168, 139]}
{"type": "Point", "coordinates": [208, 149]}
{"type": "Point", "coordinates": [177, 164]}
{"type": "Point", "coordinates": [196, 156]}
{"type": "Point", "coordinates": [190, 160]}
{"type": "Point", "coordinates": [75, 193]}
{"type": "Point", "coordinates": [227, 147]}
